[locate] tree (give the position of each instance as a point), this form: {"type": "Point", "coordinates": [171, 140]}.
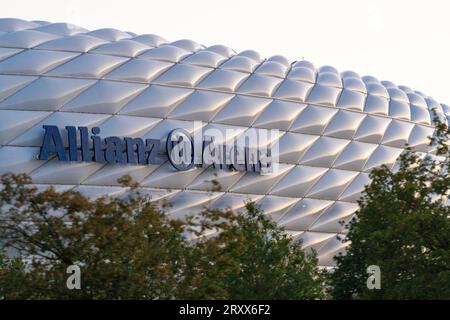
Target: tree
{"type": "Point", "coordinates": [127, 248]}
{"type": "Point", "coordinates": [250, 258]}
{"type": "Point", "coordinates": [403, 227]}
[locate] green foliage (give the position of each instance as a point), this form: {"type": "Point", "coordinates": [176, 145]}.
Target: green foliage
{"type": "Point", "coordinates": [251, 258]}
{"type": "Point", "coordinates": [403, 227]}
{"type": "Point", "coordinates": [127, 248]}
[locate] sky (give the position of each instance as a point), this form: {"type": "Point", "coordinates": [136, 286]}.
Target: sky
{"type": "Point", "coordinates": [406, 42]}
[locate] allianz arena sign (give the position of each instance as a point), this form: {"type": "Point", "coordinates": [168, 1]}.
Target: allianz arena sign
{"type": "Point", "coordinates": [250, 151]}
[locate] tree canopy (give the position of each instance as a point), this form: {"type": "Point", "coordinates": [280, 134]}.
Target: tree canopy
{"type": "Point", "coordinates": [403, 227]}
{"type": "Point", "coordinates": [128, 248]}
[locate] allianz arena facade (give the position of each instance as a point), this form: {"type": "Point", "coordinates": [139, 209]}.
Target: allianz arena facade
{"type": "Point", "coordinates": [333, 127]}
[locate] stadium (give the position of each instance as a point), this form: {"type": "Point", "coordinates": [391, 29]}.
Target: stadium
{"type": "Point", "coordinates": [71, 85]}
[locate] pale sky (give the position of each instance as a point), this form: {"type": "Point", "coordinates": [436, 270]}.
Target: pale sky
{"type": "Point", "coordinates": [406, 42]}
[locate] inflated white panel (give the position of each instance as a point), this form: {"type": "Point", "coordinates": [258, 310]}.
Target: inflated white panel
{"type": "Point", "coordinates": [88, 66]}
{"type": "Point", "coordinates": [344, 124]}
{"type": "Point", "coordinates": [298, 181]}
{"type": "Point", "coordinates": [156, 101]}
{"type": "Point", "coordinates": [293, 90]}
{"type": "Point", "coordinates": [10, 84]}
{"type": "Point", "coordinates": [34, 62]}
{"type": "Point", "coordinates": [332, 184]}
{"type": "Point", "coordinates": [292, 146]}
{"type": "Point", "coordinates": [139, 70]}
{"type": "Point", "coordinates": [124, 48]}
{"type": "Point", "coordinates": [240, 63]}
{"type": "Point", "coordinates": [304, 213]}
{"type": "Point", "coordinates": [324, 151]}
{"type": "Point", "coordinates": [104, 97]}
{"type": "Point", "coordinates": [165, 53]}
{"type": "Point", "coordinates": [223, 80]}
{"type": "Point", "coordinates": [76, 43]}
{"type": "Point", "coordinates": [259, 85]}
{"type": "Point", "coordinates": [260, 184]}
{"type": "Point", "coordinates": [201, 105]}
{"type": "Point", "coordinates": [313, 119]}
{"type": "Point", "coordinates": [34, 135]}
{"type": "Point", "coordinates": [13, 123]}
{"type": "Point", "coordinates": [46, 93]}
{"type": "Point", "coordinates": [275, 206]}
{"type": "Point", "coordinates": [183, 75]}
{"type": "Point", "coordinates": [278, 115]}
{"type": "Point", "coordinates": [205, 59]}
{"type": "Point", "coordinates": [241, 111]}
{"type": "Point", "coordinates": [302, 74]}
